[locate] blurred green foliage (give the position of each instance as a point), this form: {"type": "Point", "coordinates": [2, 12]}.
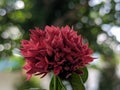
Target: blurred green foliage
{"type": "Point", "coordinates": [91, 18]}
{"type": "Point", "coordinates": [33, 84]}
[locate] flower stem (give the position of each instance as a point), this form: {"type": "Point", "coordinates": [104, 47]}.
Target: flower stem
{"type": "Point", "coordinates": [55, 82]}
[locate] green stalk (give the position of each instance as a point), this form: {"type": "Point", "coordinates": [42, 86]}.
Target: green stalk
{"type": "Point", "coordinates": [63, 87]}
{"type": "Point", "coordinates": [55, 82]}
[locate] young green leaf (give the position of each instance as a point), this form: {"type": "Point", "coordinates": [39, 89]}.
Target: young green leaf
{"type": "Point", "coordinates": [76, 82]}
{"type": "Point", "coordinates": [58, 83]}
{"type": "Point", "coordinates": [84, 76]}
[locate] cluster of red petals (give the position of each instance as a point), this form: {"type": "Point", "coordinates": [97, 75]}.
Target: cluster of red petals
{"type": "Point", "coordinates": [55, 49]}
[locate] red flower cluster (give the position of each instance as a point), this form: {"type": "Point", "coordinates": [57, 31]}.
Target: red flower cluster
{"type": "Point", "coordinates": [55, 49]}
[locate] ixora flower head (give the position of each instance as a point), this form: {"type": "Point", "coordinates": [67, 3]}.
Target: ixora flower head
{"type": "Point", "coordinates": [55, 49]}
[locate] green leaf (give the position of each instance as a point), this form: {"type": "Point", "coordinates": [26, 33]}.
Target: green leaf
{"type": "Point", "coordinates": [56, 83]}
{"type": "Point", "coordinates": [76, 82]}
{"type": "Point", "coordinates": [84, 76]}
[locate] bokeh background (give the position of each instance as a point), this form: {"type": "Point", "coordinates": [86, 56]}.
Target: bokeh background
{"type": "Point", "coordinates": [97, 20]}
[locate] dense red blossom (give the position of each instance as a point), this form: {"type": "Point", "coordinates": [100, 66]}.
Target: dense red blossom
{"type": "Point", "coordinates": [55, 49]}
